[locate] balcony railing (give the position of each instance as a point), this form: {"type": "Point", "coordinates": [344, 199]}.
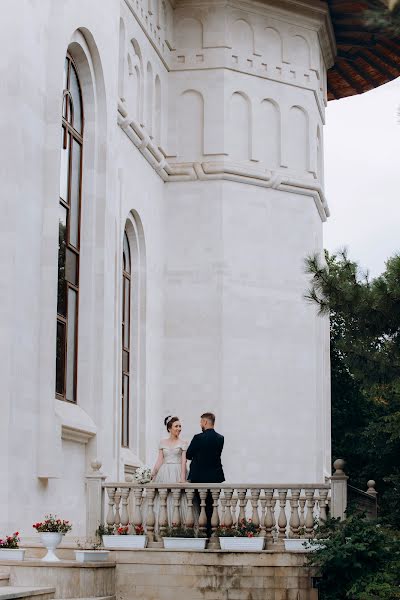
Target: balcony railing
{"type": "Point", "coordinates": [279, 510]}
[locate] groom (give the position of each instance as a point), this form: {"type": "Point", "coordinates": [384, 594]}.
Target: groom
{"type": "Point", "coordinates": [205, 451]}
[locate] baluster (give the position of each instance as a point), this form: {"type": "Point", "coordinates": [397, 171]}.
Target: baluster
{"type": "Point", "coordinates": [150, 521]}
{"type": "Point", "coordinates": [269, 517]}
{"type": "Point", "coordinates": [215, 516]}
{"type": "Point", "coordinates": [255, 517]}
{"type": "Point", "coordinates": [203, 516]}
{"type": "Point", "coordinates": [294, 522]}
{"type": "Point", "coordinates": [263, 503]}
{"type": "Point", "coordinates": [124, 511]}
{"type": "Point", "coordinates": [223, 509]}
{"type": "Point", "coordinates": [282, 519]}
{"type": "Point", "coordinates": [302, 516]}
{"type": "Point", "coordinates": [111, 500]}
{"type": "Point", "coordinates": [309, 522]}
{"type": "Point", "coordinates": [163, 515]}
{"type": "Point", "coordinates": [137, 513]}
{"type": "Point", "coordinates": [242, 504]}
{"type": "Point", "coordinates": [323, 501]}
{"type": "Point", "coordinates": [117, 518]}
{"type": "Point", "coordinates": [189, 514]}
{"type": "Point", "coordinates": [176, 514]}
{"type": "Point", "coordinates": [228, 513]}
{"type": "Point", "coordinates": [234, 512]}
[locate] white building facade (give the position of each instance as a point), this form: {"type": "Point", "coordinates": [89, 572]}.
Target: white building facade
{"type": "Point", "coordinates": [157, 267]}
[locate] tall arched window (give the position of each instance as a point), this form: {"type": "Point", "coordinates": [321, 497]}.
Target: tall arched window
{"type": "Point", "coordinates": [69, 234]}
{"type": "Point", "coordinates": [126, 339]}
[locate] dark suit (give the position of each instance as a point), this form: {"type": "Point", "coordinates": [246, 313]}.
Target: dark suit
{"type": "Point", "coordinates": [205, 451]}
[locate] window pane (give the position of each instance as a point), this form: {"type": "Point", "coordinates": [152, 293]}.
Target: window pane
{"type": "Point", "coordinates": [64, 167]}
{"type": "Point", "coordinates": [125, 410]}
{"type": "Point", "coordinates": [62, 286]}
{"type": "Point", "coordinates": [60, 358]}
{"type": "Point", "coordinates": [71, 267]}
{"type": "Point", "coordinates": [65, 80]}
{"type": "Point", "coordinates": [125, 361]}
{"type": "Point", "coordinates": [127, 304]}
{"type": "Point", "coordinates": [71, 345]}
{"type": "Point", "coordinates": [127, 254]}
{"type": "Point", "coordinates": [75, 192]}
{"type": "Point", "coordinates": [76, 99]}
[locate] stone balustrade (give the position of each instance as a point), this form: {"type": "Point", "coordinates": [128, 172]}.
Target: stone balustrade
{"type": "Point", "coordinates": [279, 510]}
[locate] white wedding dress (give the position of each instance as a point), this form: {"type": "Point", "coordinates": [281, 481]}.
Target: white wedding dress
{"type": "Point", "coordinates": [169, 472]}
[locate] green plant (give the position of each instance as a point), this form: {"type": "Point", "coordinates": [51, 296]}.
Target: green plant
{"type": "Point", "coordinates": [359, 560]}
{"type": "Point", "coordinates": [245, 528]}
{"type": "Point", "coordinates": [52, 524]}
{"type": "Point", "coordinates": [10, 541]}
{"type": "Point", "coordinates": [105, 530]}
{"type": "Point", "coordinates": [180, 531]}
{"type": "Point", "coordinates": [88, 544]}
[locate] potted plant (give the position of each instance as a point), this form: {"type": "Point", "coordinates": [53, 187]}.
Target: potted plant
{"type": "Point", "coordinates": [90, 552]}
{"type": "Point", "coordinates": [51, 531]}
{"type": "Point", "coordinates": [119, 538]}
{"type": "Point", "coordinates": [178, 537]}
{"type": "Point", "coordinates": [9, 549]}
{"type": "Point", "coordinates": [243, 537]}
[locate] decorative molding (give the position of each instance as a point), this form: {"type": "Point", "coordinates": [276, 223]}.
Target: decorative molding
{"type": "Point", "coordinates": [217, 170]}
{"type": "Point", "coordinates": [76, 425]}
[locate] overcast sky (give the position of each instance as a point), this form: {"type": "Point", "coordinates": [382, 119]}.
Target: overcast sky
{"type": "Point", "coordinates": [362, 176]}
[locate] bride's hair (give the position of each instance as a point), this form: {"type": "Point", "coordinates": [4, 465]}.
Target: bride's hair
{"type": "Point", "coordinates": [169, 421]}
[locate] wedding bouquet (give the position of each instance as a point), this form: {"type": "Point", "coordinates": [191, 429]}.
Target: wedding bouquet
{"type": "Point", "coordinates": [143, 474]}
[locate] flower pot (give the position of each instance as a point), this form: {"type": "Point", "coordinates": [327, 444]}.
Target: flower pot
{"type": "Point", "coordinates": [242, 544]}
{"type": "Point", "coordinates": [301, 545]}
{"type": "Point", "coordinates": [12, 553]}
{"type": "Point", "coordinates": [176, 543]}
{"type": "Point", "coordinates": [124, 542]}
{"type": "Point", "coordinates": [50, 541]}
{"type": "Point", "coordinates": [83, 556]}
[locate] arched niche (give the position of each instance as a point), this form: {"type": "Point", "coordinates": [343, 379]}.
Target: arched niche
{"type": "Point", "coordinates": [133, 86]}
{"type": "Point", "coordinates": [157, 109]}
{"type": "Point", "coordinates": [189, 34]}
{"type": "Point", "coordinates": [149, 98]}
{"type": "Point", "coordinates": [272, 46]}
{"type": "Point", "coordinates": [269, 128]}
{"type": "Point", "coordinates": [243, 37]}
{"type": "Point", "coordinates": [191, 126]}
{"type": "Point", "coordinates": [121, 59]}
{"type": "Point", "coordinates": [298, 139]}
{"type": "Point", "coordinates": [239, 127]}
{"type": "Point", "coordinates": [299, 51]}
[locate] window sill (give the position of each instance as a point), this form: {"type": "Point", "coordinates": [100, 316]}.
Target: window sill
{"type": "Point", "coordinates": [130, 461]}
{"type": "Point", "coordinates": [76, 425]}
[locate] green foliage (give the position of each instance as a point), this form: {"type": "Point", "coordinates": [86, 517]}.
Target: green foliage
{"type": "Point", "coordinates": [365, 371]}
{"type": "Point", "coordinates": [180, 531]}
{"type": "Point", "coordinates": [358, 560]}
{"type": "Point", "coordinates": [245, 528]}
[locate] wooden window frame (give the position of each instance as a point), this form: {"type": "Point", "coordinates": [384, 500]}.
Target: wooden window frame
{"type": "Point", "coordinates": [125, 373]}
{"type": "Point", "coordinates": [71, 134]}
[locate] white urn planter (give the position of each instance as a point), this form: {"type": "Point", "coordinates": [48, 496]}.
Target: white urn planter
{"type": "Point", "coordinates": [84, 556]}
{"type": "Point", "coordinates": [176, 543]}
{"type": "Point", "coordinates": [242, 544]}
{"type": "Point", "coordinates": [12, 553]}
{"type": "Point", "coordinates": [124, 542]}
{"type": "Point", "coordinates": [50, 541]}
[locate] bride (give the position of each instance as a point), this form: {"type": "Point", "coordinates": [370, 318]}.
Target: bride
{"type": "Point", "coordinates": [171, 468]}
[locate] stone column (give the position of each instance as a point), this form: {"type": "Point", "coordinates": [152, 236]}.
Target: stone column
{"type": "Point", "coordinates": [94, 499]}
{"type": "Point", "coordinates": [339, 490]}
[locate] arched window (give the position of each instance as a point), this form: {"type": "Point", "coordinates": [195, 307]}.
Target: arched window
{"type": "Point", "coordinates": [126, 339]}
{"type": "Point", "coordinates": [69, 234]}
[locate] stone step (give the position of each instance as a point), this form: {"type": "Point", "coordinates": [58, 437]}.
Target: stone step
{"type": "Point", "coordinates": [92, 598]}
{"type": "Point", "coordinates": [28, 593]}
{"type": "Point", "coordinates": [4, 578]}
